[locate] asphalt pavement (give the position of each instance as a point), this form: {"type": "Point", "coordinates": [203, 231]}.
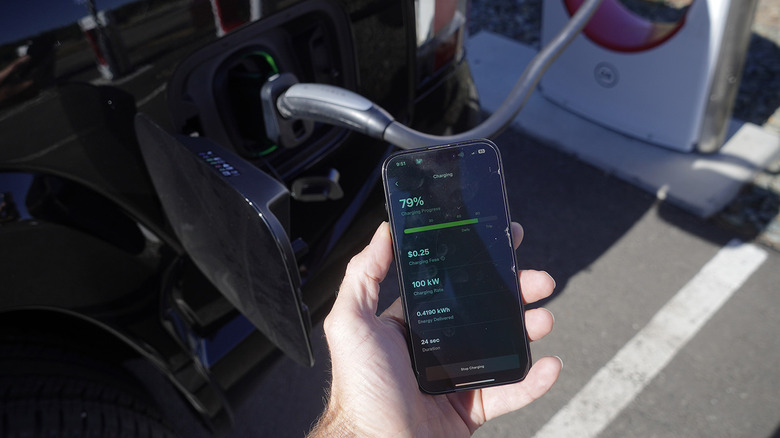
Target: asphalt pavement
{"type": "Point", "coordinates": [667, 323]}
{"type": "Point", "coordinates": [620, 257]}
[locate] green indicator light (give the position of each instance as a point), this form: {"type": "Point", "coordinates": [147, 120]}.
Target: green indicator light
{"type": "Point", "coordinates": [270, 60]}
{"type": "Point", "coordinates": [267, 151]}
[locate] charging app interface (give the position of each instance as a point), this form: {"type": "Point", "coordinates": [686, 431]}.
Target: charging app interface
{"type": "Point", "coordinates": [456, 261]}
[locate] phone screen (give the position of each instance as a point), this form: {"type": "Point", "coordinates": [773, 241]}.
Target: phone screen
{"type": "Point", "coordinates": [456, 265]}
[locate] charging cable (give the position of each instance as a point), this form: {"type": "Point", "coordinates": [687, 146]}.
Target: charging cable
{"type": "Point", "coordinates": [341, 107]}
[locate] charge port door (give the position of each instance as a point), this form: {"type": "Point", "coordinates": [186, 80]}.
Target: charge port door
{"type": "Point", "coordinates": [232, 220]}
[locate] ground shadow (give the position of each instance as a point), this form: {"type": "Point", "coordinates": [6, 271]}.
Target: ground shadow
{"type": "Point", "coordinates": [572, 214]}
{"type": "Point", "coordinates": [759, 90]}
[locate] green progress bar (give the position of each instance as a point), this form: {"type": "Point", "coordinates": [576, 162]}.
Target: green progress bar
{"type": "Point", "coordinates": [448, 224]}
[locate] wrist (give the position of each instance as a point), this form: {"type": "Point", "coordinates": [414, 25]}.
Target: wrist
{"type": "Point", "coordinates": [333, 423]}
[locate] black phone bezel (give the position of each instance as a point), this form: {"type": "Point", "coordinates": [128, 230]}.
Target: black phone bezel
{"type": "Point", "coordinates": [474, 381]}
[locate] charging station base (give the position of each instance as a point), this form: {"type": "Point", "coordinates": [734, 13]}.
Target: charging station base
{"type": "Point", "coordinates": [702, 184]}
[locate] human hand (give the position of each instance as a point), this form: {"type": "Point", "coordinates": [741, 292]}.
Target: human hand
{"type": "Point", "coordinates": [373, 389]}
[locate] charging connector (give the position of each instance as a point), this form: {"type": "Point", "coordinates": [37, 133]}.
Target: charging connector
{"type": "Point", "coordinates": [337, 106]}
{"type": "Point", "coordinates": [284, 131]}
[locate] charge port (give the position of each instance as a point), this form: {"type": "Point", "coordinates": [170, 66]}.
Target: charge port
{"type": "Point", "coordinates": [216, 91]}
{"type": "Point", "coordinates": [247, 74]}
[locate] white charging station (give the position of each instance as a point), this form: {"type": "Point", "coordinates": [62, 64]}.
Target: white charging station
{"type": "Point", "coordinates": [670, 84]}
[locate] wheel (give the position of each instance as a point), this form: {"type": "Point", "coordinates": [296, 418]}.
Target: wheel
{"type": "Point", "coordinates": [46, 391]}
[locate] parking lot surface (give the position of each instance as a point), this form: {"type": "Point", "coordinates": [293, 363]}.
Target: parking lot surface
{"type": "Point", "coordinates": [667, 323]}
{"type": "Point", "coordinates": [621, 259]}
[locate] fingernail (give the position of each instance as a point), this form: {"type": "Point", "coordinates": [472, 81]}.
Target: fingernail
{"type": "Point", "coordinates": [551, 278]}
{"type": "Point", "coordinates": [559, 360]}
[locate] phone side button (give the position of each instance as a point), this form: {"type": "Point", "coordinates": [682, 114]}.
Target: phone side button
{"type": "Point", "coordinates": [478, 382]}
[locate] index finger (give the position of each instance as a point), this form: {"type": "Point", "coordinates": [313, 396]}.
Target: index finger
{"type": "Point", "coordinates": [517, 234]}
{"type": "Point", "coordinates": [535, 285]}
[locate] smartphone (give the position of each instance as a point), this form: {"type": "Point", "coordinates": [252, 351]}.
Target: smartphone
{"type": "Point", "coordinates": [452, 240]}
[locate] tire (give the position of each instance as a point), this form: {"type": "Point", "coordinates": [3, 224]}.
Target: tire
{"type": "Point", "coordinates": [49, 392]}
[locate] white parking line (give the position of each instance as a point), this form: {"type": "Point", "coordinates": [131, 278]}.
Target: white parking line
{"type": "Point", "coordinates": [615, 385]}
